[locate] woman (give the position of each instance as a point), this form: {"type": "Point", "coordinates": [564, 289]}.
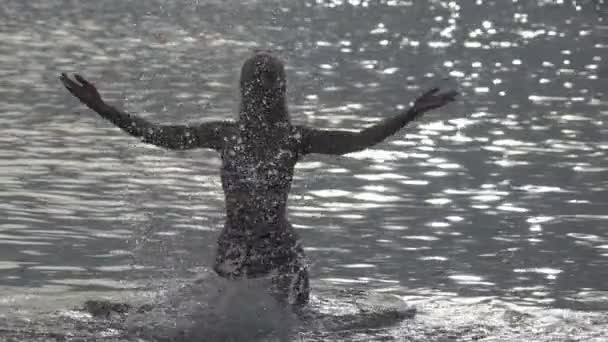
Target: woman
{"type": "Point", "coordinates": [259, 152]}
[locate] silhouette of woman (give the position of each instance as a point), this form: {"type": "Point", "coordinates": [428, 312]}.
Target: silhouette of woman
{"type": "Point", "coordinates": [259, 152]}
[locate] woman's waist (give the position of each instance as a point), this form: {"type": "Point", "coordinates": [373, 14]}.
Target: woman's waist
{"type": "Point", "coordinates": [255, 197]}
{"type": "Point", "coordinates": [244, 255]}
{"type": "Point", "coordinates": [249, 229]}
{"type": "Point", "coordinates": [256, 216]}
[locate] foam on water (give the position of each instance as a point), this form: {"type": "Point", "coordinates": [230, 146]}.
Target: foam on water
{"type": "Point", "coordinates": [214, 307]}
{"type": "Point", "coordinates": [211, 308]}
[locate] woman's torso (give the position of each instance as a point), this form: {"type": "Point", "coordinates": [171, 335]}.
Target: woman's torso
{"type": "Point", "coordinates": [257, 170]}
{"type": "Point", "coordinates": [256, 178]}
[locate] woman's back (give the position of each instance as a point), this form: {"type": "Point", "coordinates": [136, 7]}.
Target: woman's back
{"type": "Point", "coordinates": [257, 239]}
{"type": "Point", "coordinates": [256, 175]}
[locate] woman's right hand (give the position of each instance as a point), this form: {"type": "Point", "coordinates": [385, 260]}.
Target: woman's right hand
{"type": "Point", "coordinates": [432, 99]}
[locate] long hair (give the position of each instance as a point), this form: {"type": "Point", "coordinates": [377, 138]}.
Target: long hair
{"type": "Point", "coordinates": [263, 88]}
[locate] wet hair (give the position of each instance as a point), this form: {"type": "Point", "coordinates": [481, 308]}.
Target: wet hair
{"type": "Point", "coordinates": [263, 88]}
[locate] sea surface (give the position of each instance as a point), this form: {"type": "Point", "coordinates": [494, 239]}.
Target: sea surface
{"type": "Point", "coordinates": [489, 216]}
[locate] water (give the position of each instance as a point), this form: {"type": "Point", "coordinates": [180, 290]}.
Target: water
{"type": "Point", "coordinates": [488, 215]}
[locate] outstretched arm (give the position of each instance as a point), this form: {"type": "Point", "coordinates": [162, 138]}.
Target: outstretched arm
{"type": "Point", "coordinates": [206, 135]}
{"type": "Point", "coordinates": [342, 142]}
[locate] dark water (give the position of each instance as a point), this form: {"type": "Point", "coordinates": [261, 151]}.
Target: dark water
{"type": "Point", "coordinates": [489, 214]}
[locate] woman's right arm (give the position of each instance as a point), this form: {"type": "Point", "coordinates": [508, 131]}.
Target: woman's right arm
{"type": "Point", "coordinates": [342, 142]}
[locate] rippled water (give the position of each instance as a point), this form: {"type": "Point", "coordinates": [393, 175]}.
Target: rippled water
{"type": "Point", "coordinates": [488, 215]}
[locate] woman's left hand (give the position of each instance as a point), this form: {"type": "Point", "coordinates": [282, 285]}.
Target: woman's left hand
{"type": "Point", "coordinates": [82, 89]}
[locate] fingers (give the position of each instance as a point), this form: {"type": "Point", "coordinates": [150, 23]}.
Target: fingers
{"type": "Point", "coordinates": [80, 88]}
{"type": "Point", "coordinates": [432, 99]}
{"type": "Point", "coordinates": [430, 92]}
{"type": "Point", "coordinates": [71, 84]}
{"type": "Point", "coordinates": [81, 79]}
{"type": "Point", "coordinates": [433, 96]}
{"type": "Point", "coordinates": [450, 95]}
{"type": "Point", "coordinates": [67, 82]}
{"type": "Point", "coordinates": [442, 97]}
{"type": "Point", "coordinates": [433, 92]}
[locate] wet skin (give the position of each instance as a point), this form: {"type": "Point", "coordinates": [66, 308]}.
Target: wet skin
{"type": "Point", "coordinates": [259, 152]}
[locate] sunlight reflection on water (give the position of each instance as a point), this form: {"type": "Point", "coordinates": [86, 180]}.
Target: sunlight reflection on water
{"type": "Point", "coordinates": [502, 194]}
